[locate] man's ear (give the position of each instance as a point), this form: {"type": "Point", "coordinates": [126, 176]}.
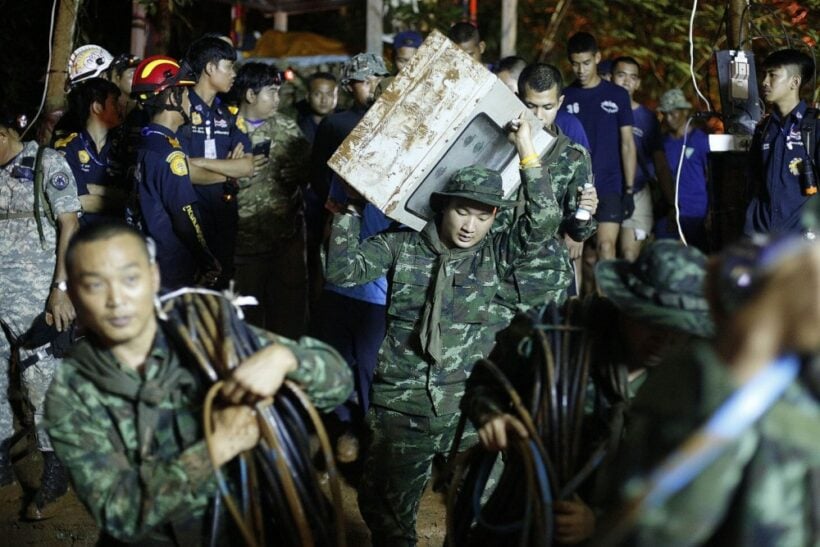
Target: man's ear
{"type": "Point", "coordinates": [597, 57]}
{"type": "Point", "coordinates": [250, 96]}
{"type": "Point", "coordinates": [210, 68]}
{"type": "Point", "coordinates": [482, 46]}
{"type": "Point", "coordinates": [560, 101]}
{"type": "Point", "coordinates": [97, 107]}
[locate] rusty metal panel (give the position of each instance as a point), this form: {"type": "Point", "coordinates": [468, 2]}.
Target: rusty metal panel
{"type": "Point", "coordinates": [443, 112]}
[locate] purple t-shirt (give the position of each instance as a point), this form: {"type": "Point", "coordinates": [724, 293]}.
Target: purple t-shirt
{"type": "Point", "coordinates": [648, 140]}
{"type": "Point", "coordinates": [602, 110]}
{"type": "Point", "coordinates": [692, 197]}
{"type": "Point", "coordinates": [572, 128]}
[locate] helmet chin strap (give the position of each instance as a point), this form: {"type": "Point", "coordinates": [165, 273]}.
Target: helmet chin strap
{"type": "Point", "coordinates": [176, 93]}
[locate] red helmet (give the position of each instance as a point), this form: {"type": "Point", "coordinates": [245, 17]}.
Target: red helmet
{"type": "Point", "coordinates": [156, 74]}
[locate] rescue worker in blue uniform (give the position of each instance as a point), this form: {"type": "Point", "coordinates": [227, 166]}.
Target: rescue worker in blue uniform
{"type": "Point", "coordinates": [784, 152]}
{"type": "Point", "coordinates": [90, 150]}
{"type": "Point", "coordinates": [168, 211]}
{"type": "Point", "coordinates": [219, 152]}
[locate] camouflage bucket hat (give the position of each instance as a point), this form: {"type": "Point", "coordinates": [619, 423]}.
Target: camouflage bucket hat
{"type": "Point", "coordinates": [362, 66]}
{"type": "Point", "coordinates": [475, 183]}
{"type": "Point", "coordinates": [663, 287]}
{"type": "Point", "coordinates": [673, 100]}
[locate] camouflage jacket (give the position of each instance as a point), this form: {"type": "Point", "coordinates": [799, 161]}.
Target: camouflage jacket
{"type": "Point", "coordinates": [422, 274]}
{"type": "Point", "coordinates": [137, 480]}
{"type": "Point", "coordinates": [546, 274]}
{"type": "Point", "coordinates": [270, 201]}
{"type": "Point", "coordinates": [19, 241]}
{"type": "Point", "coordinates": [764, 489]}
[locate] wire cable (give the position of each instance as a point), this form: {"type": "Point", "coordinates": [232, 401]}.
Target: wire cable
{"type": "Point", "coordinates": [692, 56]}
{"type": "Point", "coordinates": [677, 181]}
{"type": "Point", "coordinates": [48, 69]}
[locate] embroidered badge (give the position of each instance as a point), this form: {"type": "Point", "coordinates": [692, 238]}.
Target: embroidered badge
{"type": "Point", "coordinates": [60, 181]}
{"type": "Point", "coordinates": [196, 118]}
{"type": "Point", "coordinates": [84, 156]}
{"type": "Point", "coordinates": [795, 166]}
{"type": "Point", "coordinates": [179, 165]}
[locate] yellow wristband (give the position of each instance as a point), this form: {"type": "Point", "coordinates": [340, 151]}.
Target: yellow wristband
{"type": "Point", "coordinates": [529, 159]}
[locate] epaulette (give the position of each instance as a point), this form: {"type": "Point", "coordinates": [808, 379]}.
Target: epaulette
{"type": "Point", "coordinates": [173, 141]}
{"type": "Point", "coordinates": [62, 143]}
{"type": "Point", "coordinates": [233, 109]}
{"type": "Point", "coordinates": [240, 124]}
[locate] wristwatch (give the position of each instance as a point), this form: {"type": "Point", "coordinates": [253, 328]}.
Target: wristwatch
{"type": "Point", "coordinates": [60, 286]}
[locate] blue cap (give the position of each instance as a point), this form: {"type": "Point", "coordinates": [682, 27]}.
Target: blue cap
{"type": "Point", "coordinates": [408, 38]}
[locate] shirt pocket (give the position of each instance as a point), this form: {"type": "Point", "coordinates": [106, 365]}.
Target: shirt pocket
{"type": "Point", "coordinates": [472, 293]}
{"type": "Point", "coordinates": [409, 287]}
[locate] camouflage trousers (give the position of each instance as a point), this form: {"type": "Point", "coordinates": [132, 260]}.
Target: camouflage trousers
{"type": "Point", "coordinates": [24, 297]}
{"type": "Point", "coordinates": [397, 468]}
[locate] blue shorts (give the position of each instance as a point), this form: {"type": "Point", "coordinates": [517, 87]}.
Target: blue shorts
{"type": "Point", "coordinates": [610, 208]}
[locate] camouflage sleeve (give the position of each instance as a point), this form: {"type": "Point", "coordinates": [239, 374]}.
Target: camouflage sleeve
{"type": "Point", "coordinates": [536, 226]}
{"type": "Point", "coordinates": [580, 166]}
{"type": "Point", "coordinates": [127, 499]}
{"type": "Point", "coordinates": [351, 262]}
{"type": "Point", "coordinates": [322, 372]}
{"type": "Point", "coordinates": [59, 184]}
{"type": "Point", "coordinates": [296, 154]}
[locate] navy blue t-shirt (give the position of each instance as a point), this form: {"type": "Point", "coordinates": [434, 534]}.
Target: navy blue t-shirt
{"type": "Point", "coordinates": [91, 167]}
{"type": "Point", "coordinates": [572, 128]}
{"type": "Point", "coordinates": [163, 187]}
{"type": "Point", "coordinates": [648, 140]}
{"type": "Point", "coordinates": [602, 110]}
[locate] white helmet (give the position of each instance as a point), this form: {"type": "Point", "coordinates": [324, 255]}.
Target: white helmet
{"type": "Point", "coordinates": [88, 61]}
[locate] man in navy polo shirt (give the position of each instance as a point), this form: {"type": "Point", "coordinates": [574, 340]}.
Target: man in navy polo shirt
{"type": "Point", "coordinates": [168, 210]}
{"type": "Point", "coordinates": [782, 164]}
{"type": "Point", "coordinates": [219, 153]}
{"type": "Point", "coordinates": [605, 112]}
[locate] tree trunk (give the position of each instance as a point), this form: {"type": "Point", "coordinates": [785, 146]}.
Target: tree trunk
{"type": "Point", "coordinates": [734, 24]}
{"type": "Point", "coordinates": [63, 45]}
{"type": "Point", "coordinates": [548, 42]}
{"type": "Point", "coordinates": [159, 28]}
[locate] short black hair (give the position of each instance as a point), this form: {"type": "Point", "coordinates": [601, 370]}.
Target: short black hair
{"type": "Point", "coordinates": [208, 49]}
{"type": "Point", "coordinates": [582, 42]}
{"type": "Point", "coordinates": [540, 77]}
{"type": "Point", "coordinates": [803, 64]}
{"type": "Point", "coordinates": [88, 92]}
{"type": "Point", "coordinates": [158, 102]}
{"type": "Point", "coordinates": [254, 76]}
{"type": "Point", "coordinates": [462, 32]}
{"type": "Point", "coordinates": [513, 63]}
{"type": "Point", "coordinates": [100, 232]}
{"type": "Point", "coordinates": [626, 59]}
{"type": "Point", "coordinates": [329, 76]}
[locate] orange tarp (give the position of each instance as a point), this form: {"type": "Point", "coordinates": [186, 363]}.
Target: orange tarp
{"type": "Point", "coordinates": [275, 43]}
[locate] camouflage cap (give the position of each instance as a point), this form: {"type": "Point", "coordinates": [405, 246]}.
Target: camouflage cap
{"type": "Point", "coordinates": [673, 100]}
{"type": "Point", "coordinates": [362, 66]}
{"type": "Point", "coordinates": [475, 183]}
{"type": "Point", "coordinates": [663, 287]}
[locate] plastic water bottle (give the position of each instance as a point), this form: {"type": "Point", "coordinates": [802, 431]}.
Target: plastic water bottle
{"type": "Point", "coordinates": [581, 213]}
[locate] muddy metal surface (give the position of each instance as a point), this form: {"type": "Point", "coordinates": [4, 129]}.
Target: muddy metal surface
{"type": "Point", "coordinates": [73, 526]}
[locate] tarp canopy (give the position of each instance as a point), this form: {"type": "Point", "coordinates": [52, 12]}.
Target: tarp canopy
{"type": "Point", "coordinates": [275, 43]}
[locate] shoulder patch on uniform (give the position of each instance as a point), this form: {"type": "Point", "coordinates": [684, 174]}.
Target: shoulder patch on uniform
{"type": "Point", "coordinates": [62, 143]}
{"type": "Point", "coordinates": [241, 125]}
{"type": "Point", "coordinates": [178, 162]}
{"type": "Point", "coordinates": [59, 181]}
{"type": "Point", "coordinates": [233, 109]}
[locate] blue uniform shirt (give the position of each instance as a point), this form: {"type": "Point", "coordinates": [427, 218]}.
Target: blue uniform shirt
{"type": "Point", "coordinates": [163, 187]}
{"type": "Point", "coordinates": [777, 164]}
{"type": "Point", "coordinates": [219, 212]}
{"type": "Point", "coordinates": [648, 140]}
{"type": "Point", "coordinates": [572, 128]}
{"type": "Point", "coordinates": [91, 167]}
{"type": "Point", "coordinates": [602, 110]}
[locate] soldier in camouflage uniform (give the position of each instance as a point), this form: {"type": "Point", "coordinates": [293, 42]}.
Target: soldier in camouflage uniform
{"type": "Point", "coordinates": [763, 487]}
{"type": "Point", "coordinates": [651, 308]}
{"type": "Point", "coordinates": [441, 284]}
{"type": "Point", "coordinates": [546, 276]}
{"type": "Point", "coordinates": [36, 225]}
{"type": "Point", "coordinates": [270, 254]}
{"type": "Point", "coordinates": [124, 410]}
